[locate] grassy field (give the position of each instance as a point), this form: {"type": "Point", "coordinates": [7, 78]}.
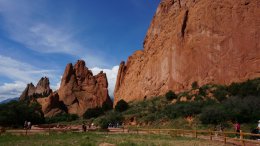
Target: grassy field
{"type": "Point", "coordinates": [94, 138]}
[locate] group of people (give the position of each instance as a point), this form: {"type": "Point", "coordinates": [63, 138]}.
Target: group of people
{"type": "Point", "coordinates": [27, 125]}
{"type": "Point", "coordinates": [84, 127]}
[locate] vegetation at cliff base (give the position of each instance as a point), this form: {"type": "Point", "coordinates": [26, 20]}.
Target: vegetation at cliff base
{"type": "Point", "coordinates": [209, 104]}
{"type": "Point", "coordinates": [121, 106]}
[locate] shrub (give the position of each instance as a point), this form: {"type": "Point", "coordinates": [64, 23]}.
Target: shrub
{"type": "Point", "coordinates": [183, 109]}
{"type": "Point", "coordinates": [112, 117]}
{"type": "Point", "coordinates": [62, 118]}
{"type": "Point", "coordinates": [213, 115]}
{"type": "Point", "coordinates": [195, 85]}
{"type": "Point", "coordinates": [170, 95]}
{"type": "Point", "coordinates": [93, 113]}
{"type": "Point", "coordinates": [220, 93]}
{"type": "Point", "coordinates": [244, 110]}
{"type": "Point", "coordinates": [107, 106]}
{"type": "Point", "coordinates": [103, 123]}
{"type": "Point", "coordinates": [121, 106]}
{"type": "Point", "coordinates": [250, 87]}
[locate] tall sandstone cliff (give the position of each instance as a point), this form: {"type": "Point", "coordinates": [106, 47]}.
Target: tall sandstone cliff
{"type": "Point", "coordinates": [208, 41]}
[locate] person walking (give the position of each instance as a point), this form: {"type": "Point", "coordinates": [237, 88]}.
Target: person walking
{"type": "Point", "coordinates": [25, 125]}
{"type": "Point", "coordinates": [237, 128]}
{"type": "Point", "coordinates": [29, 126]}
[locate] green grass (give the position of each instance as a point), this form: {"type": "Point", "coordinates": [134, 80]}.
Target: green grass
{"type": "Point", "coordinates": [93, 138]}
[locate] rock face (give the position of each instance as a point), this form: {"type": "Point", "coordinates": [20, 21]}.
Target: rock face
{"type": "Point", "coordinates": [51, 105]}
{"type": "Point", "coordinates": [28, 92]}
{"type": "Point", "coordinates": [80, 90]}
{"type": "Point", "coordinates": [43, 87]}
{"type": "Point", "coordinates": [41, 90]}
{"type": "Point", "coordinates": [208, 41]}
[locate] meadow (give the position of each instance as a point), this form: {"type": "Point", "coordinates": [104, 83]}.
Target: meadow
{"type": "Point", "coordinates": [102, 139]}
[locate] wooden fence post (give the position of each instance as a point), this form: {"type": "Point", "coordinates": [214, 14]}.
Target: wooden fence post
{"type": "Point", "coordinates": [242, 138]}
{"type": "Point", "coordinates": [210, 132]}
{"type": "Point", "coordinates": [49, 129]}
{"type": "Point", "coordinates": [196, 134]}
{"type": "Point", "coordinates": [225, 139]}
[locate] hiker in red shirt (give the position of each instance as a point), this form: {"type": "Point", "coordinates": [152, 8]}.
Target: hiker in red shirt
{"type": "Point", "coordinates": [237, 128]}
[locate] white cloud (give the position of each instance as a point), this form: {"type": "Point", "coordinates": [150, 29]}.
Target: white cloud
{"type": "Point", "coordinates": [21, 74]}
{"type": "Point", "coordinates": [57, 86]}
{"type": "Point", "coordinates": [11, 90]}
{"type": "Point", "coordinates": [111, 77]}
{"type": "Point", "coordinates": [29, 24]}
{"type": "Point", "coordinates": [19, 71]}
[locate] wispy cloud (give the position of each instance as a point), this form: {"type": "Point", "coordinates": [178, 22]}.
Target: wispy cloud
{"type": "Point", "coordinates": [11, 90]}
{"type": "Point", "coordinates": [28, 24]}
{"type": "Point", "coordinates": [21, 74]}
{"type": "Point", "coordinates": [25, 24]}
{"type": "Point", "coordinates": [19, 71]}
{"type": "Point", "coordinates": [111, 77]}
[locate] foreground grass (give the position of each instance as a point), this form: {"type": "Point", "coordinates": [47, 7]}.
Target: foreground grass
{"type": "Point", "coordinates": [92, 138]}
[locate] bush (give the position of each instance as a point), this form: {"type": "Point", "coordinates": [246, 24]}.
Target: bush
{"type": "Point", "coordinates": [220, 93]}
{"type": "Point", "coordinates": [213, 115]}
{"type": "Point", "coordinates": [112, 117]}
{"type": "Point", "coordinates": [170, 95]}
{"type": "Point", "coordinates": [183, 109]}
{"type": "Point", "coordinates": [195, 85]}
{"type": "Point", "coordinates": [244, 110]}
{"type": "Point", "coordinates": [107, 106]}
{"type": "Point", "coordinates": [62, 118]}
{"type": "Point", "coordinates": [121, 106]}
{"type": "Point", "coordinates": [250, 87]}
{"type": "Point", "coordinates": [93, 113]}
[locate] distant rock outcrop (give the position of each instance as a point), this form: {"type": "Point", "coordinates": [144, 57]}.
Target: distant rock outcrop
{"type": "Point", "coordinates": [41, 90]}
{"type": "Point", "coordinates": [80, 90]}
{"type": "Point", "coordinates": [208, 41]}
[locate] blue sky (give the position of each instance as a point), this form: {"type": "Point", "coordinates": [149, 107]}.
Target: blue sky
{"type": "Point", "coordinates": [39, 37]}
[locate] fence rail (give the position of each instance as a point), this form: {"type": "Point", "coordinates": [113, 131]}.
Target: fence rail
{"type": "Point", "coordinates": [221, 135]}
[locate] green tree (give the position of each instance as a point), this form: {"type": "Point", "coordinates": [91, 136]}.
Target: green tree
{"type": "Point", "coordinates": [15, 113]}
{"type": "Point", "coordinates": [121, 106]}
{"type": "Point", "coordinates": [170, 95]}
{"type": "Point", "coordinates": [195, 85]}
{"type": "Point", "coordinates": [213, 115]}
{"type": "Point", "coordinates": [93, 113]}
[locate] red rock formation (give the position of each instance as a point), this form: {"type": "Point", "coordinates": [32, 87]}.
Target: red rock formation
{"type": "Point", "coordinates": [208, 41]}
{"type": "Point", "coordinates": [41, 90]}
{"type": "Point", "coordinates": [51, 105]}
{"type": "Point", "coordinates": [43, 87]}
{"type": "Point", "coordinates": [28, 92]}
{"type": "Point", "coordinates": [81, 90]}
